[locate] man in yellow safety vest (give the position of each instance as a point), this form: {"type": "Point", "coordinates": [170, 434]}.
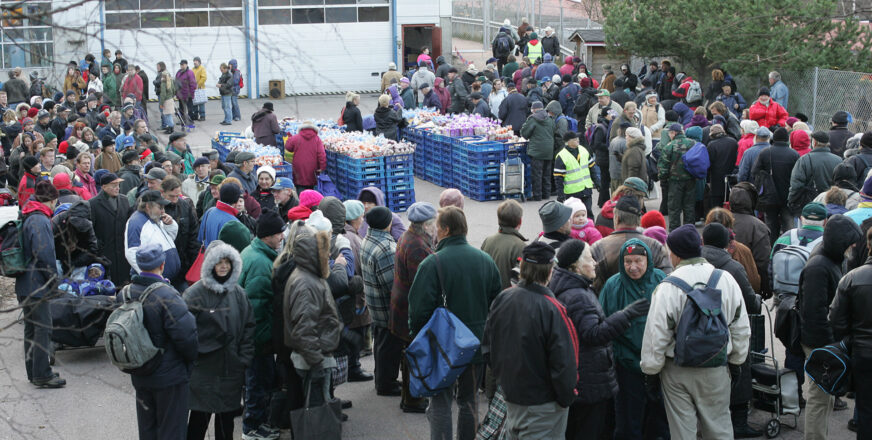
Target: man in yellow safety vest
{"type": "Point", "coordinates": [575, 172]}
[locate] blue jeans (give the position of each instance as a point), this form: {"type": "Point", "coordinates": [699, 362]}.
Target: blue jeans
{"type": "Point", "coordinates": [200, 110]}
{"type": "Point", "coordinates": [637, 414]}
{"type": "Point", "coordinates": [167, 121]}
{"type": "Point", "coordinates": [235, 100]}
{"type": "Point", "coordinates": [226, 105]}
{"type": "Point", "coordinates": [260, 379]}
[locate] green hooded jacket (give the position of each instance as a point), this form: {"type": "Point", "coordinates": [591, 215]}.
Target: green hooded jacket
{"type": "Point", "coordinates": [539, 131]}
{"type": "Point", "coordinates": [256, 279]}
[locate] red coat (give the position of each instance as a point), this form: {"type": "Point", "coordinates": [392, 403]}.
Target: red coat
{"type": "Point", "coordinates": [131, 84]}
{"type": "Point", "coordinates": [309, 156]}
{"type": "Point", "coordinates": [774, 114]}
{"type": "Point", "coordinates": [26, 188]}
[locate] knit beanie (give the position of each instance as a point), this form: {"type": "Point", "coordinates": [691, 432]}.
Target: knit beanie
{"type": "Point", "coordinates": [780, 135]}
{"type": "Point", "coordinates": [269, 223]}
{"type": "Point", "coordinates": [45, 191]}
{"type": "Point", "coordinates": [656, 232]}
{"type": "Point", "coordinates": [866, 140]}
{"type": "Point", "coordinates": [684, 242]}
{"type": "Point", "coordinates": [379, 217]}
{"type": "Point", "coordinates": [653, 218]}
{"type": "Point", "coordinates": [310, 198]}
{"type": "Point", "coordinates": [229, 194]}
{"type": "Point", "coordinates": [717, 235]}
{"type": "Point", "coordinates": [569, 252]}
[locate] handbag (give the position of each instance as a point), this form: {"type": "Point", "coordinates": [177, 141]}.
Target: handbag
{"type": "Point", "coordinates": [322, 422]}
{"type": "Point", "coordinates": [193, 274]}
{"type": "Point", "coordinates": [199, 97]}
{"type": "Point", "coordinates": [441, 350]}
{"type": "Point", "coordinates": [492, 427]}
{"type": "Point", "coordinates": [788, 323]}
{"type": "Point", "coordinates": [340, 373]}
{"type": "Point", "coordinates": [830, 368]}
{"type": "Point", "coordinates": [767, 194]}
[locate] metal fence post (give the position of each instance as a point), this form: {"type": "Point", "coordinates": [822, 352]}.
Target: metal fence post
{"type": "Point", "coordinates": [814, 99]}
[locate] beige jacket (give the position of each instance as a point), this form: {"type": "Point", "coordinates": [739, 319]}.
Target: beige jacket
{"type": "Point", "coordinates": [667, 302]}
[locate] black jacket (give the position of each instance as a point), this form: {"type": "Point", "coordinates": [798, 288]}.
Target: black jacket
{"type": "Point", "coordinates": [722, 259]}
{"type": "Point", "coordinates": [387, 121]}
{"type": "Point", "coordinates": [596, 363]}
{"type": "Point", "coordinates": [851, 311]}
{"type": "Point", "coordinates": [530, 344]}
{"type": "Point", "coordinates": [779, 158]}
{"type": "Point", "coordinates": [352, 119]}
{"type": "Point", "coordinates": [171, 328]}
{"type": "Point", "coordinates": [75, 242]}
{"type": "Point", "coordinates": [109, 227]}
{"type": "Point", "coordinates": [722, 150]}
{"type": "Point", "coordinates": [514, 111]}
{"type": "Point", "coordinates": [189, 226]}
{"type": "Point", "coordinates": [858, 162]}
{"type": "Point", "coordinates": [839, 135]}
{"type": "Point", "coordinates": [820, 277]}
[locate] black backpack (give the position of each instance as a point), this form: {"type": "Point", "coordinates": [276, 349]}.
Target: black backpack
{"type": "Point", "coordinates": [503, 45]}
{"type": "Point", "coordinates": [583, 104]}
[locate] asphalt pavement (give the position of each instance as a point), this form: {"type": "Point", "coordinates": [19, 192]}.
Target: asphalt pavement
{"type": "Point", "coordinates": [99, 402]}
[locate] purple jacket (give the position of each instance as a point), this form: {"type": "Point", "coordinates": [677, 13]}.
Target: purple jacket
{"type": "Point", "coordinates": [395, 98]}
{"type": "Point", "coordinates": [397, 226]}
{"type": "Point", "coordinates": [186, 83]}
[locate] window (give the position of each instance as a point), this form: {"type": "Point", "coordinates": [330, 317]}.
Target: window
{"type": "Point", "coordinates": [308, 15]}
{"type": "Point", "coordinates": [341, 15]}
{"type": "Point", "coordinates": [307, 2]}
{"type": "Point", "coordinates": [340, 2]}
{"type": "Point", "coordinates": [135, 14]}
{"type": "Point", "coordinates": [370, 14]}
{"type": "Point", "coordinates": [262, 3]}
{"type": "Point", "coordinates": [26, 38]}
{"type": "Point", "coordinates": [274, 16]}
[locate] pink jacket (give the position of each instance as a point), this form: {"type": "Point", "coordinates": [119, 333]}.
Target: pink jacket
{"type": "Point", "coordinates": [587, 233]}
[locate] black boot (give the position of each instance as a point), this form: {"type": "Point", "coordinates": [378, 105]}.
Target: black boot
{"type": "Point", "coordinates": [741, 429]}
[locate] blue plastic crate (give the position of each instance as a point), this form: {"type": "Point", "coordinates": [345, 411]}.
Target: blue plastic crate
{"type": "Point", "coordinates": [352, 175]}
{"type": "Point", "coordinates": [478, 173]}
{"type": "Point", "coordinates": [399, 169]}
{"type": "Point", "coordinates": [401, 186]}
{"type": "Point", "coordinates": [285, 170]}
{"type": "Point", "coordinates": [400, 207]}
{"type": "Point", "coordinates": [225, 137]}
{"type": "Point", "coordinates": [409, 198]}
{"type": "Point", "coordinates": [485, 196]}
{"type": "Point", "coordinates": [399, 194]}
{"type": "Point", "coordinates": [354, 186]}
{"type": "Point", "coordinates": [406, 178]}
{"type": "Point", "coordinates": [365, 164]}
{"type": "Point", "coordinates": [397, 158]}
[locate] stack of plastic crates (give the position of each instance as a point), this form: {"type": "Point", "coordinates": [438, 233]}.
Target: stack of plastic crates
{"type": "Point", "coordinates": [223, 141]}
{"type": "Point", "coordinates": [477, 168]}
{"type": "Point", "coordinates": [520, 148]}
{"type": "Point", "coordinates": [399, 182]}
{"type": "Point", "coordinates": [357, 174]}
{"type": "Point", "coordinates": [439, 168]}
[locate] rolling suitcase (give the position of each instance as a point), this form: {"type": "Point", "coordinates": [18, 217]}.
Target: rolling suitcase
{"type": "Point", "coordinates": [79, 321]}
{"type": "Point", "coordinates": [512, 176]}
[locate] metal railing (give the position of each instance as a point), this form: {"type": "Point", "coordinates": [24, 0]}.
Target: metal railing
{"type": "Point", "coordinates": [473, 29]}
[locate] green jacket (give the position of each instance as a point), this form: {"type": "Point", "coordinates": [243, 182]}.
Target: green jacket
{"type": "Point", "coordinates": [110, 90]}
{"type": "Point", "coordinates": [256, 279]}
{"type": "Point", "coordinates": [539, 131]}
{"type": "Point", "coordinates": [187, 157]}
{"type": "Point", "coordinates": [166, 92]}
{"type": "Point", "coordinates": [670, 166]}
{"type": "Point", "coordinates": [509, 69]}
{"type": "Point", "coordinates": [472, 281]}
{"type": "Point", "coordinates": [505, 248]}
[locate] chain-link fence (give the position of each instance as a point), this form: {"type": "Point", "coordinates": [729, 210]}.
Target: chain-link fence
{"type": "Point", "coordinates": [819, 93]}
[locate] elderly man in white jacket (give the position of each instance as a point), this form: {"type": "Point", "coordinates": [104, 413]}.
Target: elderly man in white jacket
{"type": "Point", "coordinates": [693, 396]}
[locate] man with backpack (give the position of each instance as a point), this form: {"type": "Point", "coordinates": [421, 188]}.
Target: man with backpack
{"type": "Point", "coordinates": [813, 173]}
{"type": "Point", "coordinates": [777, 161]}
{"type": "Point", "coordinates": [502, 47]}
{"type": "Point", "coordinates": [36, 281]}
{"type": "Point", "coordinates": [862, 161]}
{"type": "Point", "coordinates": [817, 287]}
{"type": "Point", "coordinates": [682, 186]}
{"type": "Point", "coordinates": [694, 377]}
{"type": "Point", "coordinates": [161, 383]}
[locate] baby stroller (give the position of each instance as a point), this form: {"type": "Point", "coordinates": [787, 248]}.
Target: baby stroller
{"type": "Point", "coordinates": [776, 389]}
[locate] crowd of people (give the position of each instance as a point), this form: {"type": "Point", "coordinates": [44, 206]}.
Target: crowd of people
{"type": "Point", "coordinates": [258, 289]}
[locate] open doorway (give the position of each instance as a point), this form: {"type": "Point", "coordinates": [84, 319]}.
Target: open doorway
{"type": "Point", "coordinates": [417, 36]}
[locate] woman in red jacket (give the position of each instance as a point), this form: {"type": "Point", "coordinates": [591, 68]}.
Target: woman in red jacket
{"type": "Point", "coordinates": [767, 112]}
{"type": "Point", "coordinates": [309, 156]}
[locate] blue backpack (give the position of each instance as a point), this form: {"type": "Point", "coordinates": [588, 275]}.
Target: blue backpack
{"type": "Point", "coordinates": [702, 335]}
{"type": "Point", "coordinates": [696, 161]}
{"type": "Point", "coordinates": [326, 187]}
{"type": "Point", "coordinates": [441, 351]}
{"type": "Point", "coordinates": [573, 123]}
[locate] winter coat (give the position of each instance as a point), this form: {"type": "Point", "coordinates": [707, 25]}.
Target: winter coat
{"type": "Point", "coordinates": [213, 220]}
{"type": "Point", "coordinates": [444, 95]}
{"type": "Point", "coordinates": [131, 176]}
{"type": "Point", "coordinates": [377, 267]}
{"type": "Point", "coordinates": [248, 181]}
{"type": "Point", "coordinates": [388, 78]}
{"type": "Point", "coordinates": [265, 127]}
{"type": "Point", "coordinates": [459, 95]}
{"type": "Point", "coordinates": [40, 275]}
{"type": "Point", "coordinates": [16, 90]}
{"type": "Point", "coordinates": [670, 166]}
{"type": "Point", "coordinates": [546, 71]}
{"type": "Point", "coordinates": [722, 151]}
{"type": "Point", "coordinates": [75, 241]}
{"type": "Point", "coordinates": [513, 111]}
{"type": "Point", "coordinates": [685, 114]}
{"type": "Point", "coordinates": [768, 115]}
{"type": "Point", "coordinates": [539, 131]}
{"type": "Point", "coordinates": [470, 279]}
{"type": "Point", "coordinates": [188, 247]}
{"type": "Point", "coordinates": [858, 162]}
{"type": "Point", "coordinates": [551, 45]}
{"type": "Point", "coordinates": [667, 303]}
{"type": "Point", "coordinates": [505, 248]}
{"type": "Point", "coordinates": [309, 156]}
{"type": "Point", "coordinates": [422, 76]}
{"type": "Point", "coordinates": [225, 333]}
{"type": "Point", "coordinates": [26, 187]}
{"type": "Point", "coordinates": [141, 230]}
{"type": "Point", "coordinates": [224, 86]}
{"type": "Point", "coordinates": [634, 164]}
{"type": "Point", "coordinates": [617, 146]}
{"type": "Point", "coordinates": [351, 117]}
{"type": "Point", "coordinates": [749, 157]}
{"type": "Point", "coordinates": [596, 363]}
{"type": "Point", "coordinates": [312, 325]}
{"type": "Point", "coordinates": [587, 232]}
{"type": "Point", "coordinates": [750, 230]}
{"type": "Point", "coordinates": [606, 251]}
{"type": "Point", "coordinates": [779, 160]}
{"type": "Point", "coordinates": [387, 122]}
{"type": "Point", "coordinates": [255, 279]}
{"type": "Point", "coordinates": [532, 347]}
{"type": "Point", "coordinates": [811, 175]}
{"type": "Point", "coordinates": [186, 84]}
{"type": "Point", "coordinates": [192, 187]}
{"type": "Point", "coordinates": [820, 278]}
{"type": "Point", "coordinates": [171, 328]}
{"type": "Point", "coordinates": [109, 224]}
{"type": "Point", "coordinates": [408, 96]}
{"type": "Point", "coordinates": [131, 84]}
{"type": "Point", "coordinates": [779, 93]}
{"type": "Point", "coordinates": [653, 117]}
{"type": "Point", "coordinates": [851, 310]}
{"type": "Point", "coordinates": [721, 259]}
{"type": "Point", "coordinates": [595, 110]}
{"type": "Point", "coordinates": [731, 100]}
{"type": "Point", "coordinates": [397, 226]}
{"type": "Point", "coordinates": [108, 160]}
{"type": "Point", "coordinates": [839, 136]}
{"type": "Point", "coordinates": [72, 83]}
{"type": "Point", "coordinates": [414, 246]}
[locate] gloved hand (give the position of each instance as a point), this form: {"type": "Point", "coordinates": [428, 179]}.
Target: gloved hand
{"type": "Point", "coordinates": [638, 308]}
{"type": "Point", "coordinates": [652, 383]}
